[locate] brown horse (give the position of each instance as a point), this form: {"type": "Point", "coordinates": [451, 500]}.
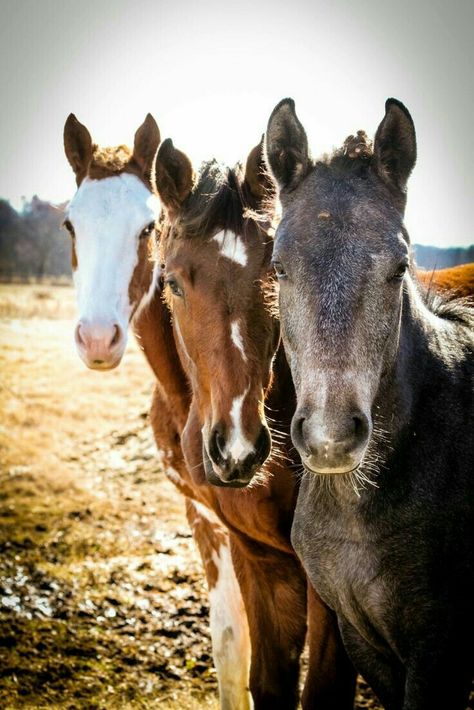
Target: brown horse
{"type": "Point", "coordinates": [114, 206]}
{"type": "Point", "coordinates": [216, 259]}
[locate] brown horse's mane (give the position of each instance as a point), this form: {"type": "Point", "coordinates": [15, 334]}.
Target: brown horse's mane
{"type": "Point", "coordinates": [220, 199]}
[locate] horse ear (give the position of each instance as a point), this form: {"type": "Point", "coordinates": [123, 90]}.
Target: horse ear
{"type": "Point", "coordinates": [256, 174]}
{"type": "Point", "coordinates": [147, 140]}
{"type": "Point", "coordinates": [286, 148]}
{"type": "Point", "coordinates": [174, 176]}
{"type": "Point", "coordinates": [77, 146]}
{"type": "Point", "coordinates": [395, 145]}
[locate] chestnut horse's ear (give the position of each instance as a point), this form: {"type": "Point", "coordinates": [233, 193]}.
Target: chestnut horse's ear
{"type": "Point", "coordinates": [395, 145]}
{"type": "Point", "coordinates": [286, 146]}
{"type": "Point", "coordinates": [256, 174]}
{"type": "Point", "coordinates": [77, 146]}
{"type": "Point", "coordinates": [174, 176]}
{"type": "Point", "coordinates": [147, 140]}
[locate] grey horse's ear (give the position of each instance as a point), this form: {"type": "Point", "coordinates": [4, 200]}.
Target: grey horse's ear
{"type": "Point", "coordinates": [395, 145]}
{"type": "Point", "coordinates": [286, 146]}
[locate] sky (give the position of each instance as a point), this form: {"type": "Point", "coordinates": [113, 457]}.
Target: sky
{"type": "Point", "coordinates": [210, 72]}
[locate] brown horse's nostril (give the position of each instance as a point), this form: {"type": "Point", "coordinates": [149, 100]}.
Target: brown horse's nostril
{"type": "Point", "coordinates": [217, 445]}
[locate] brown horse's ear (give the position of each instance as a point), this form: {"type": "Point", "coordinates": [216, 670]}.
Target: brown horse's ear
{"type": "Point", "coordinates": [395, 145]}
{"type": "Point", "coordinates": [147, 140]}
{"type": "Point", "coordinates": [256, 174]}
{"type": "Point", "coordinates": [77, 146]}
{"type": "Point", "coordinates": [286, 146]}
{"type": "Point", "coordinates": [174, 176]}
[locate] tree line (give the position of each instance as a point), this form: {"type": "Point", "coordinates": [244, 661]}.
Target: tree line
{"type": "Point", "coordinates": [33, 244]}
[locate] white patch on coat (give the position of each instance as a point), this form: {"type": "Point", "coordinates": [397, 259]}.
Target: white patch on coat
{"type": "Point", "coordinates": [236, 337]}
{"type": "Point", "coordinates": [238, 446]}
{"type": "Point", "coordinates": [231, 246]}
{"type": "Point", "coordinates": [108, 217]}
{"type": "Point", "coordinates": [230, 636]}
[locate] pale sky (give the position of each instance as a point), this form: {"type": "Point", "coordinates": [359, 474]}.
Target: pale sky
{"type": "Point", "coordinates": [210, 72]}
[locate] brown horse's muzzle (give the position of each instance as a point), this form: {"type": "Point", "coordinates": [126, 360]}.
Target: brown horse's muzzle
{"type": "Point", "coordinates": [221, 465]}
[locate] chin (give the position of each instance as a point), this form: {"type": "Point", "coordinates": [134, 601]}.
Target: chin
{"type": "Point", "coordinates": [331, 470]}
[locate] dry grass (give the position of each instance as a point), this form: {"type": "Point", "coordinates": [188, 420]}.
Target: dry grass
{"type": "Point", "coordinates": [82, 498]}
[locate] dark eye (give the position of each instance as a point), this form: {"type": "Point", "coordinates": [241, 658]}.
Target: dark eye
{"type": "Point", "coordinates": [147, 231]}
{"type": "Point", "coordinates": [400, 272]}
{"type": "Point", "coordinates": [174, 287]}
{"type": "Point", "coordinates": [279, 269]}
{"type": "Point", "coordinates": [67, 225]}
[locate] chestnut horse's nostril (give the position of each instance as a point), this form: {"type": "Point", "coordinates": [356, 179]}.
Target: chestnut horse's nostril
{"type": "Point", "coordinates": [78, 335]}
{"type": "Point", "coordinates": [117, 336]}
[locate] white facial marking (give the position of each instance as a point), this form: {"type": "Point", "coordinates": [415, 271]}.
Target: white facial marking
{"type": "Point", "coordinates": [236, 337]}
{"type": "Point", "coordinates": [230, 636]}
{"type": "Point", "coordinates": [231, 246]}
{"type": "Point", "coordinates": [108, 216]}
{"type": "Point", "coordinates": [239, 447]}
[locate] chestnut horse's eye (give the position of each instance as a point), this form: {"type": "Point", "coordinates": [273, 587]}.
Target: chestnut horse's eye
{"type": "Point", "coordinates": [400, 272]}
{"type": "Point", "coordinates": [174, 287]}
{"type": "Point", "coordinates": [67, 224]}
{"type": "Point", "coordinates": [279, 269]}
{"type": "Point", "coordinates": [147, 231]}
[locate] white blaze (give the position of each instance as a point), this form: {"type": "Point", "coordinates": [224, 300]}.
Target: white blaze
{"type": "Point", "coordinates": [231, 246]}
{"type": "Point", "coordinates": [238, 445]}
{"type": "Point", "coordinates": [236, 337]}
{"type": "Point", "coordinates": [108, 216]}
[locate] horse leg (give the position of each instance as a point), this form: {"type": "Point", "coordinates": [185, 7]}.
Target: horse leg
{"type": "Point", "coordinates": [331, 678]}
{"type": "Point", "coordinates": [274, 590]}
{"type": "Point", "coordinates": [229, 626]}
{"type": "Point", "coordinates": [439, 678]}
{"type": "Point", "coordinates": [385, 677]}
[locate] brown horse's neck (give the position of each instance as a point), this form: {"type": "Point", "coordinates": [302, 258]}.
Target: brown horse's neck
{"type": "Point", "coordinates": [152, 327]}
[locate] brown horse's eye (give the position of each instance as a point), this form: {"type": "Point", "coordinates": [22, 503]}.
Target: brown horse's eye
{"type": "Point", "coordinates": [67, 224]}
{"type": "Point", "coordinates": [279, 269]}
{"type": "Point", "coordinates": [174, 287]}
{"type": "Point", "coordinates": [147, 231]}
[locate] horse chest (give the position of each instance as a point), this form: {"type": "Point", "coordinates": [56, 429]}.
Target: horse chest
{"type": "Point", "coordinates": [343, 565]}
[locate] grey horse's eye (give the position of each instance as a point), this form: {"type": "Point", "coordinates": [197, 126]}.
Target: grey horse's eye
{"type": "Point", "coordinates": [279, 269]}
{"type": "Point", "coordinates": [400, 272]}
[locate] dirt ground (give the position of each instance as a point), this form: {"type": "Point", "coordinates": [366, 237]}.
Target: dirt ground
{"type": "Point", "coordinates": [102, 600]}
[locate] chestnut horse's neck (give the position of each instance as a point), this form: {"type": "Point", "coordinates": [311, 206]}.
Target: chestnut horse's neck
{"type": "Point", "coordinates": [153, 330]}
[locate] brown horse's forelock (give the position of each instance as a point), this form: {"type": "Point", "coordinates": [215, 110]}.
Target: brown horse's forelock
{"type": "Point", "coordinates": [220, 199]}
